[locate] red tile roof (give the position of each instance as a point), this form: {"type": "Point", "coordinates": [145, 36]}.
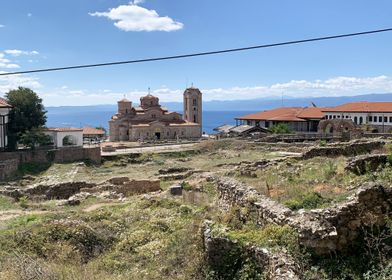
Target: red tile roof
{"type": "Point", "coordinates": [93, 131]}
{"type": "Point", "coordinates": [4, 104]}
{"type": "Point", "coordinates": [367, 107]}
{"type": "Point", "coordinates": [63, 129]}
{"type": "Point", "coordinates": [286, 114]}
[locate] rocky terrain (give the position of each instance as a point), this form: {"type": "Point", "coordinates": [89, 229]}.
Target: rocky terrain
{"type": "Point", "coordinates": [228, 209]}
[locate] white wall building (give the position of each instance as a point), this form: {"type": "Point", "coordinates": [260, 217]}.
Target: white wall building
{"type": "Point", "coordinates": [66, 137]}
{"type": "Point", "coordinates": [5, 109]}
{"type": "Point", "coordinates": [378, 115]}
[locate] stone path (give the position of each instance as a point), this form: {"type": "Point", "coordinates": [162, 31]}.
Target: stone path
{"type": "Point", "coordinates": [153, 149]}
{"type": "Point", "coordinates": [10, 214]}
{"type": "Point", "coordinates": [97, 206]}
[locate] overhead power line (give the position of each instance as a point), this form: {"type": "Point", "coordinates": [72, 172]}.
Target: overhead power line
{"type": "Point", "coordinates": [200, 53]}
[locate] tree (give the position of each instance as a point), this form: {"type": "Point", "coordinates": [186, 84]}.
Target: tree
{"type": "Point", "coordinates": [35, 137]}
{"type": "Point", "coordinates": [27, 113]}
{"type": "Point", "coordinates": [280, 128]}
{"type": "Point", "coordinates": [101, 128]}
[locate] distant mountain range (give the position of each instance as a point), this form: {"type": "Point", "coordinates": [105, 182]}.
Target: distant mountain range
{"type": "Point", "coordinates": [242, 105]}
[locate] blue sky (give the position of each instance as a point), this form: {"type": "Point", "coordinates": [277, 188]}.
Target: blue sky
{"type": "Point", "coordinates": [47, 33]}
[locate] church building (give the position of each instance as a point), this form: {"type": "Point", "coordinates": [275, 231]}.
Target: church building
{"type": "Point", "coordinates": [151, 121]}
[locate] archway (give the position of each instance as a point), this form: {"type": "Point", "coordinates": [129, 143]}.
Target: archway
{"type": "Point", "coordinates": [69, 140]}
{"type": "Point", "coordinates": [329, 129]}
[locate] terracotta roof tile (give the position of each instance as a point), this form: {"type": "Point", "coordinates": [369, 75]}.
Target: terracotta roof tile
{"type": "Point", "coordinates": [93, 131]}
{"type": "Point", "coordinates": [381, 107]}
{"type": "Point", "coordinates": [286, 114]}
{"type": "Point", "coordinates": [63, 129]}
{"type": "Point", "coordinates": [4, 103]}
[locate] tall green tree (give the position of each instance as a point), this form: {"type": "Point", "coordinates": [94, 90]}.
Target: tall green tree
{"type": "Point", "coordinates": [28, 113]}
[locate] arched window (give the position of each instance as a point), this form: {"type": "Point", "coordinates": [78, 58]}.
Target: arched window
{"type": "Point", "coordinates": [360, 120]}
{"type": "Point", "coordinates": [194, 118]}
{"type": "Point", "coordinates": [356, 120]}
{"type": "Point", "coordinates": [194, 102]}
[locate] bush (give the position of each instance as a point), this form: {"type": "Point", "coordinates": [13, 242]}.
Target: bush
{"type": "Point", "coordinates": [24, 202]}
{"type": "Point", "coordinates": [309, 200]}
{"type": "Point", "coordinates": [323, 143]}
{"type": "Point", "coordinates": [270, 236]}
{"type": "Point", "coordinates": [34, 138]}
{"type": "Point", "coordinates": [32, 168]}
{"type": "Point", "coordinates": [330, 170]}
{"type": "Point", "coordinates": [280, 128]}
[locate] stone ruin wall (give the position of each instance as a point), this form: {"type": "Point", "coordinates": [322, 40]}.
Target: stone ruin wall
{"type": "Point", "coordinates": [343, 149]}
{"type": "Point", "coordinates": [8, 167]}
{"type": "Point", "coordinates": [10, 161]}
{"type": "Point", "coordinates": [277, 265]}
{"type": "Point", "coordinates": [322, 230]}
{"type": "Point", "coordinates": [366, 163]}
{"type": "Point", "coordinates": [122, 185]}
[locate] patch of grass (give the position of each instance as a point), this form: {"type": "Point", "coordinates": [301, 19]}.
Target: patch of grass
{"type": "Point", "coordinates": [24, 202]}
{"type": "Point", "coordinates": [309, 200]}
{"type": "Point", "coordinates": [33, 168]}
{"type": "Point", "coordinates": [7, 203]}
{"type": "Point", "coordinates": [270, 236]}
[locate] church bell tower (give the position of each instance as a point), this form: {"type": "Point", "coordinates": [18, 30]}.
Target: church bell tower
{"type": "Point", "coordinates": [193, 105]}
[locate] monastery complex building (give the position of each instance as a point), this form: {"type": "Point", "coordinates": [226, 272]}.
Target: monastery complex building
{"type": "Point", "coordinates": [151, 121]}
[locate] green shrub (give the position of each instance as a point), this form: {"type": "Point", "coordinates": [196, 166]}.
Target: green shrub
{"type": "Point", "coordinates": [186, 186]}
{"type": "Point", "coordinates": [323, 143]}
{"type": "Point", "coordinates": [330, 170]}
{"type": "Point", "coordinates": [389, 159]}
{"type": "Point", "coordinates": [33, 168]}
{"type": "Point", "coordinates": [270, 236]}
{"type": "Point", "coordinates": [280, 128]}
{"type": "Point", "coordinates": [24, 202]}
{"type": "Point", "coordinates": [309, 200]}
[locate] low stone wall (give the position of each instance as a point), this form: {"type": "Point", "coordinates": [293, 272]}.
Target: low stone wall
{"type": "Point", "coordinates": [7, 168]}
{"type": "Point", "coordinates": [222, 252]}
{"type": "Point", "coordinates": [138, 187]}
{"type": "Point", "coordinates": [124, 187]}
{"type": "Point", "coordinates": [339, 149]}
{"type": "Point", "coordinates": [366, 163]}
{"type": "Point", "coordinates": [11, 160]}
{"type": "Point", "coordinates": [322, 230]}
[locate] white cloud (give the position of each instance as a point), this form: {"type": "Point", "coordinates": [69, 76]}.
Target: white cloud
{"type": "Point", "coordinates": [137, 2]}
{"type": "Point", "coordinates": [29, 14]}
{"type": "Point", "coordinates": [135, 18]}
{"type": "Point", "coordinates": [2, 25]}
{"type": "Point", "coordinates": [8, 83]}
{"type": "Point", "coordinates": [6, 63]}
{"type": "Point", "coordinates": [20, 52]}
{"type": "Point", "coordinates": [296, 88]}
{"type": "Point", "coordinates": [337, 86]}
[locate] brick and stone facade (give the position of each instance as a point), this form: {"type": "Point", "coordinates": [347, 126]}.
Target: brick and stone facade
{"type": "Point", "coordinates": [151, 121]}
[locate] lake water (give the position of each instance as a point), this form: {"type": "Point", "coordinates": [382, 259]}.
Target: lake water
{"type": "Point", "coordinates": [72, 118]}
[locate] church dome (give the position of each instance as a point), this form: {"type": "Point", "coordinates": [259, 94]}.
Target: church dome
{"type": "Point", "coordinates": [123, 100]}
{"type": "Point", "coordinates": [149, 101]}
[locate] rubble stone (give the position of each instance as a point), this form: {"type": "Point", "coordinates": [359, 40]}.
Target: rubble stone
{"type": "Point", "coordinates": [366, 163]}
{"type": "Point", "coordinates": [352, 148]}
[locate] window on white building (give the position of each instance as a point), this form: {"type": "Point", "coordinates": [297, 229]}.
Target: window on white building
{"type": "Point", "coordinates": [370, 118]}
{"type": "Point", "coordinates": [379, 119]}
{"type": "Point", "coordinates": [356, 120]}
